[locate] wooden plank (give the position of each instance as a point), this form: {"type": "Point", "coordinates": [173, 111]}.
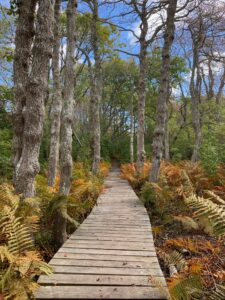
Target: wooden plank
{"type": "Point", "coordinates": [97, 292]}
{"type": "Point", "coordinates": [116, 225]}
{"type": "Point", "coordinates": [118, 220]}
{"type": "Point", "coordinates": [114, 246]}
{"type": "Point", "coordinates": [106, 257]}
{"type": "Point", "coordinates": [112, 235]}
{"type": "Point", "coordinates": [151, 263]}
{"type": "Point", "coordinates": [110, 238]}
{"type": "Point", "coordinates": [113, 230]}
{"type": "Point", "coordinates": [108, 252]}
{"type": "Point", "coordinates": [108, 271]}
{"type": "Point", "coordinates": [140, 244]}
{"type": "Point", "coordinates": [80, 279]}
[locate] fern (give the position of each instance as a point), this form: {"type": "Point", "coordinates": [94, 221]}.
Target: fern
{"type": "Point", "coordinates": [182, 287]}
{"type": "Point", "coordinates": [173, 259]}
{"type": "Point", "coordinates": [218, 293]}
{"type": "Point", "coordinates": [206, 208]}
{"type": "Point", "coordinates": [215, 198]}
{"type": "Point", "coordinates": [20, 263]}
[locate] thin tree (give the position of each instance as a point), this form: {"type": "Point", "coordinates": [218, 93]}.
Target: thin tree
{"type": "Point", "coordinates": [66, 161]}
{"type": "Point", "coordinates": [96, 89]}
{"type": "Point", "coordinates": [56, 107]}
{"type": "Point", "coordinates": [144, 10]}
{"type": "Point", "coordinates": [164, 87]}
{"type": "Point", "coordinates": [131, 132]}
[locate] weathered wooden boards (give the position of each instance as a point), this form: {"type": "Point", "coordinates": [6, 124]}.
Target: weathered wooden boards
{"type": "Point", "coordinates": [111, 255]}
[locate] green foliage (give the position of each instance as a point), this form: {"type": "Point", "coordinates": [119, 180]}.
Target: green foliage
{"type": "Point", "coordinates": [148, 195]}
{"type": "Point", "coordinates": [5, 156]}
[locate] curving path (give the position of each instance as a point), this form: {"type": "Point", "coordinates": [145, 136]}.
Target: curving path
{"type": "Point", "coordinates": [111, 255]}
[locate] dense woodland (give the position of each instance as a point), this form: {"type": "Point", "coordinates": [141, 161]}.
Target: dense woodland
{"type": "Point", "coordinates": [88, 84]}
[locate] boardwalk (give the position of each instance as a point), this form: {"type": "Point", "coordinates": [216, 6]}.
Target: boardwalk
{"type": "Point", "coordinates": [111, 255]}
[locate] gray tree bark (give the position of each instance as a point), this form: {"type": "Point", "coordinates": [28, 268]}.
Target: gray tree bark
{"type": "Point", "coordinates": [131, 132]}
{"type": "Point", "coordinates": [66, 161]}
{"type": "Point", "coordinates": [159, 131]}
{"type": "Point", "coordinates": [57, 100]}
{"type": "Point", "coordinates": [95, 91]}
{"type": "Point", "coordinates": [142, 89]}
{"type": "Point", "coordinates": [221, 86]}
{"type": "Point", "coordinates": [167, 140]}
{"type": "Point", "coordinates": [33, 111]}
{"type": "Point", "coordinates": [195, 88]}
{"type": "Point", "coordinates": [23, 42]}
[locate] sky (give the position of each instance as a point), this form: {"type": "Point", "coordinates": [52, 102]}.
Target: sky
{"type": "Point", "coordinates": [4, 2]}
{"type": "Point", "coordinates": [113, 14]}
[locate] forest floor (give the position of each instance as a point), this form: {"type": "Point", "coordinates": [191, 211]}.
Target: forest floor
{"type": "Point", "coordinates": [191, 254]}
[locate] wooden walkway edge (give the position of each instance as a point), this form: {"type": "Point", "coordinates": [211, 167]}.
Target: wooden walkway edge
{"type": "Point", "coordinates": [111, 255]}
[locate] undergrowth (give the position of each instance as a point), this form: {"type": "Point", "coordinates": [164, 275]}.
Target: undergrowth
{"type": "Point", "coordinates": [187, 212]}
{"type": "Point", "coordinates": [26, 228]}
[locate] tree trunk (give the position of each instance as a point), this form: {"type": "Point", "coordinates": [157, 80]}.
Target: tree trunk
{"type": "Point", "coordinates": [96, 91]}
{"type": "Point", "coordinates": [195, 90]}
{"type": "Point", "coordinates": [141, 100]}
{"type": "Point", "coordinates": [66, 161]}
{"type": "Point", "coordinates": [23, 43]}
{"type": "Point", "coordinates": [131, 132]}
{"type": "Point", "coordinates": [57, 101]}
{"type": "Point", "coordinates": [221, 86]}
{"type": "Point", "coordinates": [33, 112]}
{"type": "Point", "coordinates": [159, 131]}
{"type": "Point", "coordinates": [167, 140]}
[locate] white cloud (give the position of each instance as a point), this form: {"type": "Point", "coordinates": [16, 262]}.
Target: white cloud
{"type": "Point", "coordinates": [154, 21]}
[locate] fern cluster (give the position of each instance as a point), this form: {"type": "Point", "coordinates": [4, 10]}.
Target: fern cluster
{"type": "Point", "coordinates": [20, 263]}
{"type": "Point", "coordinates": [213, 212]}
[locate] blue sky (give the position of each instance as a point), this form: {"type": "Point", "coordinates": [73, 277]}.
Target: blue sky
{"type": "Point", "coordinates": [4, 2]}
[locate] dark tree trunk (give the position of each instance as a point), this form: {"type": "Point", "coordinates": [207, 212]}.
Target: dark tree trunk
{"type": "Point", "coordinates": [159, 131]}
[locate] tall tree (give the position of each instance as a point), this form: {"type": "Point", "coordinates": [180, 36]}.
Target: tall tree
{"type": "Point", "coordinates": [23, 46]}
{"type": "Point", "coordinates": [159, 132]}
{"type": "Point", "coordinates": [144, 10]}
{"type": "Point", "coordinates": [96, 88]}
{"type": "Point", "coordinates": [131, 132]}
{"type": "Point", "coordinates": [26, 165]}
{"type": "Point", "coordinates": [57, 100]}
{"type": "Point", "coordinates": [144, 15]}
{"type": "Point", "coordinates": [66, 161]}
{"type": "Point", "coordinates": [197, 36]}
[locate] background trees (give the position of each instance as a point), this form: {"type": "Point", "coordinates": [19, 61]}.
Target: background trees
{"type": "Point", "coordinates": [82, 82]}
{"type": "Point", "coordinates": [116, 108]}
